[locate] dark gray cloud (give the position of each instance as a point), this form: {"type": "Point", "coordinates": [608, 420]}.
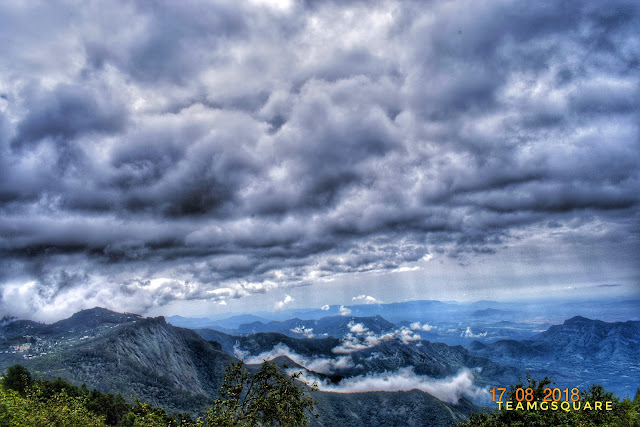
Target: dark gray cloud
{"type": "Point", "coordinates": [212, 150]}
{"type": "Point", "coordinates": [67, 112]}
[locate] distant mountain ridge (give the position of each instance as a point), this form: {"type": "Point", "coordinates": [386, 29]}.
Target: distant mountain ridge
{"type": "Point", "coordinates": [436, 360]}
{"type": "Point", "coordinates": [434, 310]}
{"type": "Point", "coordinates": [181, 369]}
{"type": "Point", "coordinates": [594, 339]}
{"type": "Point", "coordinates": [176, 368]}
{"type": "Point", "coordinates": [333, 326]}
{"type": "Point", "coordinates": [124, 353]}
{"type": "Point", "coordinates": [579, 350]}
{"type": "Point", "coordinates": [226, 324]}
{"type": "Point", "coordinates": [450, 322]}
{"type": "Point", "coordinates": [578, 336]}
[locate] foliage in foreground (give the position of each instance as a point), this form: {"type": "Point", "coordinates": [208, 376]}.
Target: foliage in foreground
{"type": "Point", "coordinates": [625, 413]}
{"type": "Point", "coordinates": [28, 402]}
{"type": "Point", "coordinates": [267, 397]}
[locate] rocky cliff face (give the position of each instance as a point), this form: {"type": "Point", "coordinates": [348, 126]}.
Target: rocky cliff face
{"type": "Point", "coordinates": [593, 339]}
{"type": "Point", "coordinates": [139, 357]}
{"type": "Point", "coordinates": [578, 353]}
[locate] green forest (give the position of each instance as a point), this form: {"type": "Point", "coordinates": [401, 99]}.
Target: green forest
{"type": "Point", "coordinates": [265, 397]}
{"type": "Point", "coordinates": [623, 413]}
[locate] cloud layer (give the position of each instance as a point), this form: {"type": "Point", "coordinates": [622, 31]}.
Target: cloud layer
{"type": "Point", "coordinates": [213, 150]}
{"type": "Point", "coordinates": [446, 389]}
{"type": "Point", "coordinates": [322, 365]}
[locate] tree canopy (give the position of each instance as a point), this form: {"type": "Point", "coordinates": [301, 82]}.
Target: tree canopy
{"type": "Point", "coordinates": [268, 396]}
{"type": "Point", "coordinates": [623, 413]}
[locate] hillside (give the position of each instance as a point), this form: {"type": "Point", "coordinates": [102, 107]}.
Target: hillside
{"type": "Point", "coordinates": [138, 357]}
{"type": "Point", "coordinates": [181, 371]}
{"type": "Point", "coordinates": [577, 353]}
{"type": "Point", "coordinates": [400, 408]}
{"type": "Point", "coordinates": [335, 359]}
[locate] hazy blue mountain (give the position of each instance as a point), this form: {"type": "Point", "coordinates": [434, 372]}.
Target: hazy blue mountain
{"type": "Point", "coordinates": [436, 360]}
{"type": "Point", "coordinates": [229, 324]}
{"type": "Point", "coordinates": [234, 322]}
{"type": "Point", "coordinates": [452, 323]}
{"type": "Point", "coordinates": [577, 353]}
{"type": "Point", "coordinates": [191, 322]}
{"type": "Point", "coordinates": [408, 310]}
{"type": "Point", "coordinates": [539, 311]}
{"type": "Point", "coordinates": [334, 326]}
{"type": "Point", "coordinates": [593, 339]}
{"type": "Point", "coordinates": [577, 337]}
{"type": "Point", "coordinates": [491, 313]}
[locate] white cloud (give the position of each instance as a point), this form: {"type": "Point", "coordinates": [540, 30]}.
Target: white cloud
{"type": "Point", "coordinates": [448, 389]}
{"type": "Point", "coordinates": [417, 326]}
{"type": "Point", "coordinates": [307, 332]}
{"type": "Point", "coordinates": [351, 343]}
{"type": "Point", "coordinates": [406, 335]}
{"type": "Point", "coordinates": [344, 311]}
{"type": "Point", "coordinates": [325, 307]}
{"type": "Point", "coordinates": [468, 333]}
{"type": "Point", "coordinates": [281, 304]}
{"type": "Point", "coordinates": [361, 338]}
{"type": "Point", "coordinates": [316, 364]}
{"type": "Point", "coordinates": [282, 5]}
{"type": "Point", "coordinates": [357, 328]}
{"type": "Point", "coordinates": [239, 352]}
{"type": "Point", "coordinates": [365, 299]}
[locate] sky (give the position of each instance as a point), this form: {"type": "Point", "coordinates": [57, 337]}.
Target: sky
{"type": "Point", "coordinates": [203, 157]}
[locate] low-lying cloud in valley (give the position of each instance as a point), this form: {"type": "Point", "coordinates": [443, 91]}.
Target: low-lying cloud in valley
{"type": "Point", "coordinates": [468, 333]}
{"type": "Point", "coordinates": [448, 389]}
{"type": "Point", "coordinates": [417, 326]}
{"type": "Point", "coordinates": [318, 364]}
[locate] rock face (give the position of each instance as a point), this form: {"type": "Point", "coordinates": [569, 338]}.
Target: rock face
{"type": "Point", "coordinates": [593, 339]}
{"type": "Point", "coordinates": [577, 337]}
{"type": "Point", "coordinates": [578, 353]}
{"type": "Point", "coordinates": [124, 353]}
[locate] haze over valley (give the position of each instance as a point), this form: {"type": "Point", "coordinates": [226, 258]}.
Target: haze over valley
{"type": "Point", "coordinates": [394, 364]}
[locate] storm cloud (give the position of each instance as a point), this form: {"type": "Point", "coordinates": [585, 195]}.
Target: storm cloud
{"type": "Point", "coordinates": [180, 151]}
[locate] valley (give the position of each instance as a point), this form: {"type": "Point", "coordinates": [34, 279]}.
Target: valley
{"type": "Point", "coordinates": [434, 368]}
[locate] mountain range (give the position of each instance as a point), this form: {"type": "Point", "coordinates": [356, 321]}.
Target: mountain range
{"type": "Point", "coordinates": [452, 323]}
{"type": "Point", "coordinates": [369, 370]}
{"type": "Point", "coordinates": [577, 353]}
{"type": "Point", "coordinates": [176, 368]}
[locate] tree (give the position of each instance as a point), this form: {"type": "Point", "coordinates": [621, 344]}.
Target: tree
{"type": "Point", "coordinates": [266, 397]}
{"type": "Point", "coordinates": [33, 409]}
{"type": "Point", "coordinates": [17, 378]}
{"type": "Point", "coordinates": [623, 413]}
